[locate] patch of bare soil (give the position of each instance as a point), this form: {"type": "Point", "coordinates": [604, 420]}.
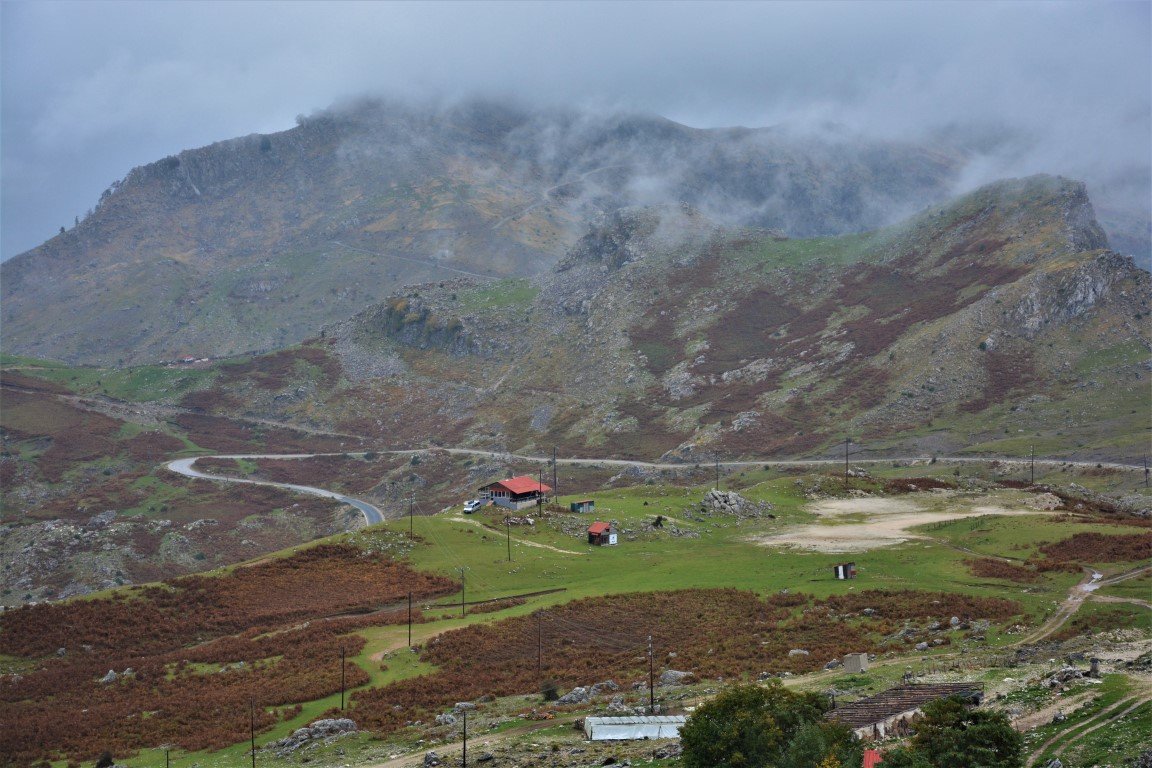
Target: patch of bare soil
{"type": "Point", "coordinates": [861, 524]}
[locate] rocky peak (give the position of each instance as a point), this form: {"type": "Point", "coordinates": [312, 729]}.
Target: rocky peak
{"type": "Point", "coordinates": [629, 234]}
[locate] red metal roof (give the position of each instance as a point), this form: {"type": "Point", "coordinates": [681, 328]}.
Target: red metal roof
{"type": "Point", "coordinates": [521, 484]}
{"type": "Point", "coordinates": [598, 528]}
{"type": "Point", "coordinates": [872, 758]}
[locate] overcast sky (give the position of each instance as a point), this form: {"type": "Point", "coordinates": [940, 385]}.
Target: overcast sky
{"type": "Point", "coordinates": [91, 89]}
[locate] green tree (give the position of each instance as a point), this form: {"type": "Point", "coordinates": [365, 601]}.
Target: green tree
{"type": "Point", "coordinates": [951, 733]}
{"type": "Point", "coordinates": [823, 741]}
{"type": "Point", "coordinates": [747, 726]}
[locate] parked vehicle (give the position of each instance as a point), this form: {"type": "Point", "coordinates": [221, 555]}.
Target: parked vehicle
{"type": "Point", "coordinates": [472, 505]}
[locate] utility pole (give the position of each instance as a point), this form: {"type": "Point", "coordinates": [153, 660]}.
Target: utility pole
{"type": "Point", "coordinates": [252, 730]}
{"type": "Point", "coordinates": [651, 680]}
{"type": "Point", "coordinates": [341, 678]}
{"type": "Point", "coordinates": [409, 620]}
{"type": "Point", "coordinates": [465, 761]}
{"type": "Point", "coordinates": [555, 476]}
{"type": "Point", "coordinates": [540, 489]}
{"type": "Point", "coordinates": [461, 569]}
{"type": "Point", "coordinates": [508, 535]}
{"type": "Point", "coordinates": [1032, 450]}
{"type": "Point", "coordinates": [167, 764]}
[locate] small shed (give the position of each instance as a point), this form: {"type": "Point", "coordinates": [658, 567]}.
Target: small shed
{"type": "Point", "coordinates": [584, 505]}
{"type": "Point", "coordinates": [602, 534]}
{"type": "Point", "coordinates": [855, 663]}
{"type": "Point", "coordinates": [636, 727]}
{"type": "Point", "coordinates": [845, 570]}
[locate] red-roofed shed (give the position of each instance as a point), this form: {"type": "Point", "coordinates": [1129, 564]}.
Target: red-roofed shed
{"type": "Point", "coordinates": [601, 533]}
{"type": "Point", "coordinates": [872, 758]}
{"type": "Point", "coordinates": [516, 492]}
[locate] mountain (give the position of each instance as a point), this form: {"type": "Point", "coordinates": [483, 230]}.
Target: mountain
{"type": "Point", "coordinates": [997, 324]}
{"type": "Point", "coordinates": [993, 323]}
{"type": "Point", "coordinates": [257, 242]}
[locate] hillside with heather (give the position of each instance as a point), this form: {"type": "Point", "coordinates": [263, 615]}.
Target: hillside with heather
{"type": "Point", "coordinates": [994, 322]}
{"type": "Point", "coordinates": [256, 242]}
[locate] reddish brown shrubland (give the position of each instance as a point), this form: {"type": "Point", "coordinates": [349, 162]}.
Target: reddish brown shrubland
{"type": "Point", "coordinates": [998, 569]}
{"type": "Point", "coordinates": [267, 616]}
{"type": "Point", "coordinates": [714, 633]}
{"type": "Point", "coordinates": [1099, 548]}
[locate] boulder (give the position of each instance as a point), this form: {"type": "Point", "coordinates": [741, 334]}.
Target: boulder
{"type": "Point", "coordinates": [577, 695]}
{"type": "Point", "coordinates": [797, 652]}
{"type": "Point", "coordinates": [673, 677]}
{"type": "Point", "coordinates": [446, 719]}
{"type": "Point", "coordinates": [111, 677]}
{"type": "Point", "coordinates": [432, 759]}
{"type": "Point", "coordinates": [599, 688]}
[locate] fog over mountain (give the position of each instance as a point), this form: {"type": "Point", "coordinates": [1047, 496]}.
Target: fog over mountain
{"type": "Point", "coordinates": [91, 90]}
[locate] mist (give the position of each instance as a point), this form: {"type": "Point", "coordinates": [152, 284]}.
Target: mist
{"type": "Point", "coordinates": [91, 90]}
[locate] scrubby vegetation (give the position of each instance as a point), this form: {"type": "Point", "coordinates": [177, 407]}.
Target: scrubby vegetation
{"type": "Point", "coordinates": [200, 649]}
{"type": "Point", "coordinates": [722, 633]}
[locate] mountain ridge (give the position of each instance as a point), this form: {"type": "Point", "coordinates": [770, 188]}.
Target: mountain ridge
{"type": "Point", "coordinates": [254, 243]}
{"type": "Point", "coordinates": [664, 334]}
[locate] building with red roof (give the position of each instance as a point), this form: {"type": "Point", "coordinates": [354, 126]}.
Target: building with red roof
{"type": "Point", "coordinates": [601, 533]}
{"type": "Point", "coordinates": [516, 492]}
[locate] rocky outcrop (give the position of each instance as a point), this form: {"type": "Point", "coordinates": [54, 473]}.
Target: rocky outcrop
{"type": "Point", "coordinates": [1059, 296]}
{"type": "Point", "coordinates": [325, 731]}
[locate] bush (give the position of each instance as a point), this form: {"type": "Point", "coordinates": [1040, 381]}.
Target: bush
{"type": "Point", "coordinates": [749, 726]}
{"type": "Point", "coordinates": [952, 734]}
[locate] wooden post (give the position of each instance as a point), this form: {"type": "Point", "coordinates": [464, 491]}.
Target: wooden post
{"type": "Point", "coordinates": [465, 760]}
{"type": "Point", "coordinates": [461, 569]}
{"type": "Point", "coordinates": [651, 680]}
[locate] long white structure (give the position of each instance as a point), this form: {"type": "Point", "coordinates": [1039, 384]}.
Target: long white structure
{"type": "Point", "coordinates": [637, 727]}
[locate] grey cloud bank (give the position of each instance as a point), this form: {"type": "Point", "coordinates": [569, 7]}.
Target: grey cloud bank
{"type": "Point", "coordinates": [93, 89]}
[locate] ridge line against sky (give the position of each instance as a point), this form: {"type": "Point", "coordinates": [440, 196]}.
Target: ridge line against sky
{"type": "Point", "coordinates": [92, 89]}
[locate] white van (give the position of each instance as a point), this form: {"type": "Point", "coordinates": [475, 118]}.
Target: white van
{"type": "Point", "coordinates": [472, 505]}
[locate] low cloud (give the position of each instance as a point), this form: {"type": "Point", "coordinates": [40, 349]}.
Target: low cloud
{"type": "Point", "coordinates": [92, 89]}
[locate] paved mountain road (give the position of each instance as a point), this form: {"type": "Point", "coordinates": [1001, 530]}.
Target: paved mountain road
{"type": "Point", "coordinates": [372, 514]}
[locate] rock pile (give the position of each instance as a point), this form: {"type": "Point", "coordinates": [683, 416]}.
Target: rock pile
{"type": "Point", "coordinates": [321, 730]}
{"type": "Point", "coordinates": [731, 503]}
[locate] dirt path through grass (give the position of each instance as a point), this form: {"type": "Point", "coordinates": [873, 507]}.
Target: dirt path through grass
{"type": "Point", "coordinates": [1115, 712]}
{"type": "Point", "coordinates": [480, 525]}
